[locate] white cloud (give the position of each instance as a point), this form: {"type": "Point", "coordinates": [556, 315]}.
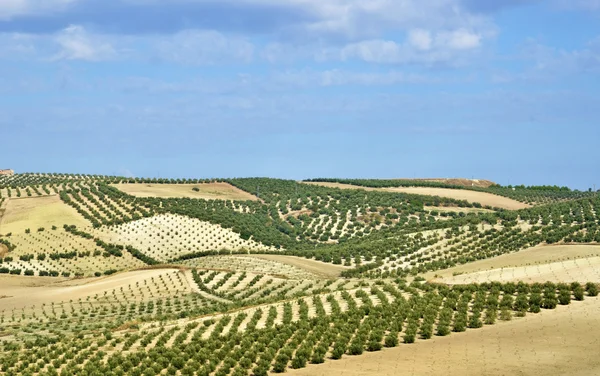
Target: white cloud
{"type": "Point", "coordinates": [76, 44]}
{"type": "Point", "coordinates": [320, 30]}
{"type": "Point", "coordinates": [204, 47]}
{"type": "Point", "coordinates": [339, 77]}
{"type": "Point", "coordinates": [460, 39]}
{"type": "Point", "coordinates": [350, 19]}
{"type": "Point", "coordinates": [419, 38]}
{"type": "Point", "coordinates": [375, 51]}
{"type": "Point", "coordinates": [369, 18]}
{"type": "Point", "coordinates": [420, 47]}
{"type": "Point", "coordinates": [12, 8]}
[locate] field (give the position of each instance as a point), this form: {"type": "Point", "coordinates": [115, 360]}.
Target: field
{"type": "Point", "coordinates": [105, 275]}
{"type": "Point", "coordinates": [544, 254]}
{"type": "Point", "coordinates": [560, 342]}
{"type": "Point", "coordinates": [23, 213]}
{"type": "Point", "coordinates": [315, 267]}
{"type": "Point", "coordinates": [485, 199]}
{"type": "Point", "coordinates": [460, 181]}
{"type": "Point", "coordinates": [207, 191]}
{"type": "Point", "coordinates": [22, 293]}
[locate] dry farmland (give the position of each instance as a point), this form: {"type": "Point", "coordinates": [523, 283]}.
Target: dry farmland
{"type": "Point", "coordinates": [111, 276]}
{"type": "Point", "coordinates": [560, 342]}
{"type": "Point", "coordinates": [207, 191]}
{"type": "Point", "coordinates": [486, 199]}
{"type": "Point", "coordinates": [35, 212]}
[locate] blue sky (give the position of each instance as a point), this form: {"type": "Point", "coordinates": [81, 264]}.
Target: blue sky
{"type": "Point", "coordinates": [503, 90]}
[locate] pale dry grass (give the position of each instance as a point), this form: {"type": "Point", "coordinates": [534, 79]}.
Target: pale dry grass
{"type": "Point", "coordinates": [457, 209]}
{"type": "Point", "coordinates": [208, 191]}
{"type": "Point", "coordinates": [35, 212]}
{"type": "Point", "coordinates": [167, 236]}
{"type": "Point", "coordinates": [522, 260]}
{"type": "Point", "coordinates": [249, 264]}
{"type": "Point", "coordinates": [325, 270]}
{"type": "Point", "coordinates": [579, 270]}
{"type": "Point", "coordinates": [59, 241]}
{"type": "Point", "coordinates": [23, 292]}
{"type": "Point", "coordinates": [484, 198]}
{"type": "Point", "coordinates": [563, 341]}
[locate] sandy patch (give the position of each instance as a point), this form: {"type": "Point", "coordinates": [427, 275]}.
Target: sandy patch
{"type": "Point", "coordinates": [486, 199]}
{"type": "Point", "coordinates": [563, 341]}
{"type": "Point", "coordinates": [209, 191]}
{"type": "Point", "coordinates": [323, 269]}
{"type": "Point", "coordinates": [35, 212]}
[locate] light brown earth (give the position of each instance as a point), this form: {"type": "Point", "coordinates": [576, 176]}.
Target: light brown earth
{"type": "Point", "coordinates": [457, 209]}
{"type": "Point", "coordinates": [543, 254]}
{"type": "Point", "coordinates": [579, 270]}
{"type": "Point", "coordinates": [323, 269]}
{"type": "Point", "coordinates": [459, 181]}
{"type": "Point", "coordinates": [484, 198]}
{"type": "Point", "coordinates": [35, 212]}
{"type": "Point", "coordinates": [563, 341]}
{"type": "Point", "coordinates": [20, 292]}
{"type": "Point", "coordinates": [208, 191]}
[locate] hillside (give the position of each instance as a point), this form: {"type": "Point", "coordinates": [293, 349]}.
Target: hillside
{"type": "Point", "coordinates": [252, 276]}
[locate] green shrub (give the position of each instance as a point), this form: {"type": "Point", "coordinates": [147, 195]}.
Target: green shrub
{"type": "Point", "coordinates": [592, 289]}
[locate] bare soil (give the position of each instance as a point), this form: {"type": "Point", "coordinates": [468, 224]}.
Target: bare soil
{"type": "Point", "coordinates": [563, 341]}
{"type": "Point", "coordinates": [459, 181]}
{"type": "Point", "coordinates": [560, 263]}
{"type": "Point", "coordinates": [457, 209]}
{"type": "Point", "coordinates": [209, 191]}
{"type": "Point", "coordinates": [323, 269]}
{"type": "Point", "coordinates": [23, 292]}
{"type": "Point", "coordinates": [579, 270]}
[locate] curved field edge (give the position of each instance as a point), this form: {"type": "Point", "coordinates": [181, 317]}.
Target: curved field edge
{"type": "Point", "coordinates": [577, 270]}
{"type": "Point", "coordinates": [539, 255]}
{"type": "Point", "coordinates": [207, 191]}
{"type": "Point", "coordinates": [557, 342]}
{"type": "Point", "coordinates": [326, 270]}
{"type": "Point", "coordinates": [483, 198]}
{"type": "Point", "coordinates": [346, 323]}
{"type": "Point", "coordinates": [34, 212]}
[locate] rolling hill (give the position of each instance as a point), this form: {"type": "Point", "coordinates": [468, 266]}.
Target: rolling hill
{"type": "Point", "coordinates": [251, 276]}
